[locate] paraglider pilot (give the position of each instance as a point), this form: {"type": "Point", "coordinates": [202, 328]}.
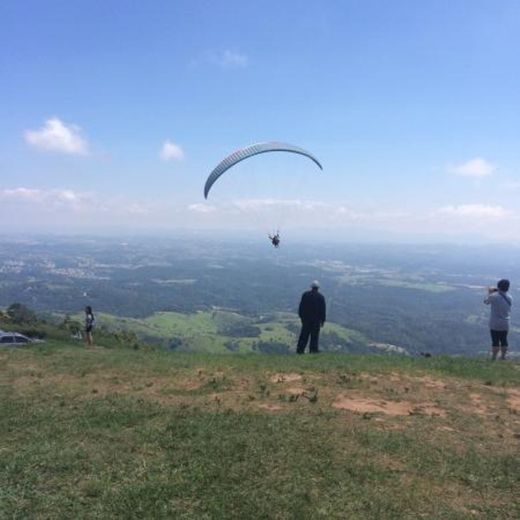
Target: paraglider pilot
{"type": "Point", "coordinates": [275, 239]}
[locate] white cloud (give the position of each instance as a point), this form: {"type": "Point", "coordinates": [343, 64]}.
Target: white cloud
{"type": "Point", "coordinates": [56, 136]}
{"type": "Point", "coordinates": [475, 211]}
{"type": "Point", "coordinates": [171, 152]}
{"type": "Point", "coordinates": [56, 210]}
{"type": "Point", "coordinates": [67, 195]}
{"type": "Point", "coordinates": [228, 59]}
{"type": "Point", "coordinates": [202, 208]}
{"type": "Point", "coordinates": [20, 194]}
{"type": "Point", "coordinates": [313, 211]}
{"type": "Point", "coordinates": [49, 198]}
{"type": "Point", "coordinates": [374, 215]}
{"type": "Point", "coordinates": [65, 201]}
{"type": "Point", "coordinates": [270, 204]}
{"type": "Point", "coordinates": [66, 209]}
{"type": "Point", "coordinates": [136, 208]}
{"type": "Point", "coordinates": [476, 168]}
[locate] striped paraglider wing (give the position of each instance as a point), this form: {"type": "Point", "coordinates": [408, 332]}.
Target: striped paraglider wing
{"type": "Point", "coordinates": [250, 151]}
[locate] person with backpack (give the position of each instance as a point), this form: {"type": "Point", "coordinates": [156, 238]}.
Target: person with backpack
{"type": "Point", "coordinates": [500, 302]}
{"type": "Point", "coordinates": [89, 325]}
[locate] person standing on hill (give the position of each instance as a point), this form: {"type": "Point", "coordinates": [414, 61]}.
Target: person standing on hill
{"type": "Point", "coordinates": [89, 325]}
{"type": "Point", "coordinates": [312, 312]}
{"type": "Point", "coordinates": [500, 301]}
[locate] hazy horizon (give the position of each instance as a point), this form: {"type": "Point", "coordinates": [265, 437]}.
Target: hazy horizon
{"type": "Point", "coordinates": [290, 238]}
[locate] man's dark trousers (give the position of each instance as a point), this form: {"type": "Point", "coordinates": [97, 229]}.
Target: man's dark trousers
{"type": "Point", "coordinates": [312, 329]}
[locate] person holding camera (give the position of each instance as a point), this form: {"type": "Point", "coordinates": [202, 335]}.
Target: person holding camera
{"type": "Point", "coordinates": [500, 302]}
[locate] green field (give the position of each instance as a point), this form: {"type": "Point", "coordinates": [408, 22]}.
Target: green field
{"type": "Point", "coordinates": [119, 433]}
{"type": "Point", "coordinates": [213, 331]}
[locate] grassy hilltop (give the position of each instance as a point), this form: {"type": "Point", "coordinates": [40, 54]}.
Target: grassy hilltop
{"type": "Point", "coordinates": [130, 434]}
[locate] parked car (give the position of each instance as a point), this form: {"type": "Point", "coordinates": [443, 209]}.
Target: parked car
{"type": "Point", "coordinates": [13, 338]}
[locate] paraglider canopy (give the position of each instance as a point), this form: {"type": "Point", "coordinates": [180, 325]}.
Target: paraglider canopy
{"type": "Point", "coordinates": [250, 151]}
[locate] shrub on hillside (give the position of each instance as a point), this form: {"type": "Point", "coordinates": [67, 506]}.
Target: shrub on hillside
{"type": "Point", "coordinates": [241, 330]}
{"type": "Point", "coordinates": [271, 347]}
{"type": "Point", "coordinates": [21, 314]}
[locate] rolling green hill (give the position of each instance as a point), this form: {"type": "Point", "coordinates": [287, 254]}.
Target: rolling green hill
{"type": "Point", "coordinates": [220, 331]}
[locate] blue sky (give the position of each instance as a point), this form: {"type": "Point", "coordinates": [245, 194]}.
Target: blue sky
{"type": "Point", "coordinates": [112, 114]}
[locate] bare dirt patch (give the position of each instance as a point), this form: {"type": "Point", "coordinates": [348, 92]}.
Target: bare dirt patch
{"type": "Point", "coordinates": [447, 429]}
{"type": "Point", "coordinates": [285, 378]}
{"type": "Point", "coordinates": [363, 405]}
{"type": "Point", "coordinates": [430, 382]}
{"type": "Point", "coordinates": [514, 400]}
{"type": "Point", "coordinates": [189, 384]}
{"type": "Point", "coordinates": [384, 425]}
{"type": "Point", "coordinates": [479, 407]}
{"type": "Point", "coordinates": [429, 409]}
{"type": "Point", "coordinates": [426, 382]}
{"type": "Point", "coordinates": [24, 381]}
{"type": "Point", "coordinates": [270, 407]}
{"type": "Point", "coordinates": [295, 390]}
{"type": "Point", "coordinates": [395, 377]}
